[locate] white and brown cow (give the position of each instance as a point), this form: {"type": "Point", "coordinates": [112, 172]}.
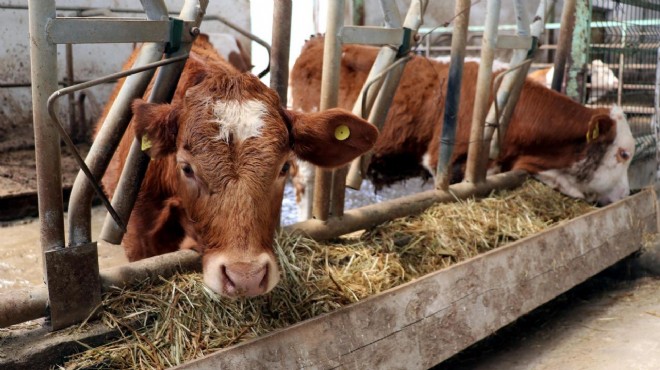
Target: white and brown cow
{"type": "Point", "coordinates": [582, 152]}
{"type": "Point", "coordinates": [220, 155]}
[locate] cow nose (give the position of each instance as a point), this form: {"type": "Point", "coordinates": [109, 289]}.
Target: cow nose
{"type": "Point", "coordinates": [241, 279]}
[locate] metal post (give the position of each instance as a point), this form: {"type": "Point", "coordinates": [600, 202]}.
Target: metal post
{"type": "Point", "coordinates": [329, 97]}
{"type": "Point", "coordinates": [43, 58]}
{"type": "Point", "coordinates": [575, 83]}
{"type": "Point", "coordinates": [458, 42]}
{"type": "Point", "coordinates": [564, 43]}
{"type": "Point", "coordinates": [622, 60]}
{"type": "Point", "coordinates": [73, 127]}
{"type": "Point", "coordinates": [137, 162]}
{"type": "Point", "coordinates": [475, 171]}
{"type": "Point", "coordinates": [279, 58]}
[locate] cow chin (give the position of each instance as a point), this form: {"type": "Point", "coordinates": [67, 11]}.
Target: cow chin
{"type": "Point", "coordinates": [233, 277]}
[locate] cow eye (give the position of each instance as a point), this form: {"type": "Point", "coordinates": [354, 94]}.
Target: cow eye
{"type": "Point", "coordinates": [187, 170]}
{"type": "Point", "coordinates": [285, 168]}
{"type": "Point", "coordinates": [624, 154]}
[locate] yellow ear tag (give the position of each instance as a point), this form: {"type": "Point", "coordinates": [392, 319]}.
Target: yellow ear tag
{"type": "Point", "coordinates": [593, 135]}
{"type": "Point", "coordinates": [146, 143]}
{"type": "Point", "coordinates": [342, 132]}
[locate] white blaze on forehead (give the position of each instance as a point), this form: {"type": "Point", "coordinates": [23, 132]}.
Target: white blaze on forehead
{"type": "Point", "coordinates": [241, 120]}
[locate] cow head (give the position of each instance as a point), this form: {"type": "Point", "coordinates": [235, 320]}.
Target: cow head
{"type": "Point", "coordinates": [601, 175]}
{"type": "Point", "coordinates": [229, 144]}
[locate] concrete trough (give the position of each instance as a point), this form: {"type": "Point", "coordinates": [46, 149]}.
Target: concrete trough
{"type": "Point", "coordinates": [424, 322]}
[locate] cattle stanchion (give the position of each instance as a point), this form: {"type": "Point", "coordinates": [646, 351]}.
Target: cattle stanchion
{"type": "Point", "coordinates": [279, 58]}
{"type": "Point", "coordinates": [329, 94]}
{"type": "Point", "coordinates": [475, 172]}
{"type": "Point", "coordinates": [564, 44]}
{"type": "Point", "coordinates": [458, 43]}
{"type": "Point", "coordinates": [137, 162]}
{"type": "Point", "coordinates": [577, 59]}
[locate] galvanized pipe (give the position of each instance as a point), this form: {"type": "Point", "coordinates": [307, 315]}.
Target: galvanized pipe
{"type": "Point", "coordinates": [476, 171]}
{"type": "Point", "coordinates": [108, 138]}
{"type": "Point", "coordinates": [279, 58]}
{"type": "Point", "coordinates": [371, 215]}
{"type": "Point", "coordinates": [452, 101]}
{"type": "Point", "coordinates": [19, 307]}
{"type": "Point", "coordinates": [329, 98]}
{"type": "Point", "coordinates": [73, 126]}
{"type": "Point", "coordinates": [43, 59]}
{"type": "Point", "coordinates": [137, 162]}
{"type": "Point", "coordinates": [564, 43]}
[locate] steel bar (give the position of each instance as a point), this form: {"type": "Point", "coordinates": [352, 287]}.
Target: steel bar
{"type": "Point", "coordinates": [329, 97]}
{"type": "Point", "coordinates": [24, 305]}
{"type": "Point", "coordinates": [137, 162]}
{"type": "Point", "coordinates": [109, 135]}
{"type": "Point", "coordinates": [371, 35]}
{"type": "Point", "coordinates": [71, 98]}
{"type": "Point", "coordinates": [279, 58]}
{"type": "Point", "coordinates": [43, 59]}
{"type": "Point", "coordinates": [77, 30]}
{"type": "Point", "coordinates": [577, 59]}
{"type": "Point", "coordinates": [245, 33]}
{"type": "Point", "coordinates": [476, 171]}
{"type": "Point", "coordinates": [452, 101]}
{"type": "Point", "coordinates": [564, 43]}
{"type": "Point", "coordinates": [371, 215]}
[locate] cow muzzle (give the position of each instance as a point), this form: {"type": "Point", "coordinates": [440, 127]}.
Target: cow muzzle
{"type": "Point", "coordinates": [240, 278]}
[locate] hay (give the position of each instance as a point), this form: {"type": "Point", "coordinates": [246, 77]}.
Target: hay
{"type": "Point", "coordinates": [181, 319]}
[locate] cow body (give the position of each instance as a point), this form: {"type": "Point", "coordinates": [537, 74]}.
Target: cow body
{"type": "Point", "coordinates": [220, 155]}
{"type": "Point", "coordinates": [580, 151]}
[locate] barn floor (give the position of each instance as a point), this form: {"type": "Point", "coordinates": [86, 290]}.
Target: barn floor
{"type": "Point", "coordinates": [609, 322]}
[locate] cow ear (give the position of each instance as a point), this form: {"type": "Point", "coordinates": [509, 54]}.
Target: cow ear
{"type": "Point", "coordinates": [330, 138]}
{"type": "Point", "coordinates": [601, 127]}
{"type": "Point", "coordinates": [157, 126]}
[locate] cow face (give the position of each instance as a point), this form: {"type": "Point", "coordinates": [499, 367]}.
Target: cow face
{"type": "Point", "coordinates": [602, 175]}
{"type": "Point", "coordinates": [230, 145]}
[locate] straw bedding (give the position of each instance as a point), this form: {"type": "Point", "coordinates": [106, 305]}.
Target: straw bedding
{"type": "Point", "coordinates": [166, 324]}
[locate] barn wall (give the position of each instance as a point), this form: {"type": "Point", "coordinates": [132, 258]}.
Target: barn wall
{"type": "Point", "coordinates": [90, 61]}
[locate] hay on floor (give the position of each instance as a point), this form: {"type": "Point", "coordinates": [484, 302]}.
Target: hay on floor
{"type": "Point", "coordinates": [181, 319]}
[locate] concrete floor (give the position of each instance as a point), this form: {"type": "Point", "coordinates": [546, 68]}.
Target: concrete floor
{"type": "Point", "coordinates": [608, 322]}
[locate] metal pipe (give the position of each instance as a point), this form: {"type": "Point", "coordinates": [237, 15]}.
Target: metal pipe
{"type": "Point", "coordinates": [73, 127]}
{"type": "Point", "coordinates": [21, 306]}
{"type": "Point", "coordinates": [107, 140]}
{"type": "Point", "coordinates": [371, 215]}
{"type": "Point", "coordinates": [452, 102]}
{"type": "Point", "coordinates": [564, 43]}
{"type": "Point", "coordinates": [475, 171]}
{"type": "Point", "coordinates": [43, 60]}
{"type": "Point", "coordinates": [245, 33]}
{"type": "Point", "coordinates": [329, 98]}
{"type": "Point", "coordinates": [279, 59]}
{"type": "Point", "coordinates": [137, 162]}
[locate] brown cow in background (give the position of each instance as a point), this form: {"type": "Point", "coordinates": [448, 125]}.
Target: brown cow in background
{"type": "Point", "coordinates": [582, 152]}
{"type": "Point", "coordinates": [220, 155]}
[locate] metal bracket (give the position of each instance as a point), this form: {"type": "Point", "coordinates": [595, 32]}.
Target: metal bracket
{"type": "Point", "coordinates": [405, 43]}
{"type": "Point", "coordinates": [176, 33]}
{"type": "Point", "coordinates": [74, 284]}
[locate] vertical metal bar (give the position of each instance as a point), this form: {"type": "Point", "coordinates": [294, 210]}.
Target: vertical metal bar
{"type": "Point", "coordinates": [575, 83]}
{"type": "Point", "coordinates": [619, 90]}
{"type": "Point", "coordinates": [43, 59]}
{"type": "Point", "coordinates": [458, 42]}
{"type": "Point", "coordinates": [358, 12]}
{"type": "Point", "coordinates": [476, 172]}
{"type": "Point", "coordinates": [564, 43]}
{"type": "Point", "coordinates": [137, 162]}
{"type": "Point", "coordinates": [279, 57]}
{"type": "Point", "coordinates": [73, 127]}
{"type": "Point", "coordinates": [329, 97]}
{"type": "Point", "coordinates": [110, 134]}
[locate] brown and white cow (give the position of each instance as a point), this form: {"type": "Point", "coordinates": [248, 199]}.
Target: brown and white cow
{"type": "Point", "coordinates": [582, 152]}
{"type": "Point", "coordinates": [220, 155]}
